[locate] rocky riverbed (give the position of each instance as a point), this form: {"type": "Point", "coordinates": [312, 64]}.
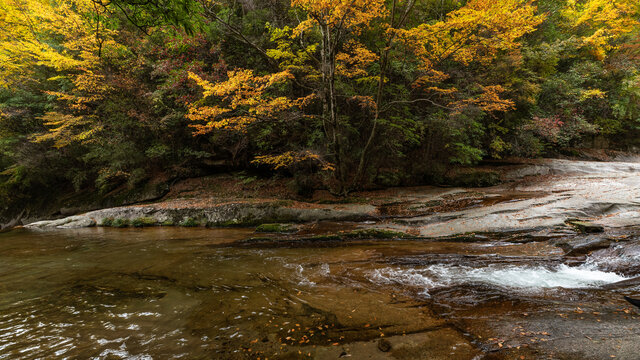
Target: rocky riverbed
{"type": "Point", "coordinates": [543, 196]}
{"type": "Point", "coordinates": [534, 268]}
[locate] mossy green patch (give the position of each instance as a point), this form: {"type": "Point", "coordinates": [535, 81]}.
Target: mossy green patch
{"type": "Point", "coordinates": [189, 222]}
{"type": "Point", "coordinates": [328, 237]}
{"type": "Point", "coordinates": [144, 221]}
{"type": "Point", "coordinates": [120, 223]}
{"type": "Point", "coordinates": [276, 228]}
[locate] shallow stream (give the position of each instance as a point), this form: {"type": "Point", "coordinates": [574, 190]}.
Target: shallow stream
{"type": "Point", "coordinates": [180, 293]}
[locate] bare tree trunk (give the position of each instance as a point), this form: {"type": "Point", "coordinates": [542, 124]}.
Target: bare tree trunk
{"type": "Point", "coordinates": [329, 107]}
{"type": "Point", "coordinates": [384, 62]}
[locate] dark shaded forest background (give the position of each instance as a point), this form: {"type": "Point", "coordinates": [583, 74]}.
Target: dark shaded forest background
{"type": "Point", "coordinates": [97, 95]}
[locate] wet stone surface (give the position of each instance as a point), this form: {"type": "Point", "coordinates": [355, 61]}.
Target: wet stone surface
{"type": "Point", "coordinates": [191, 293]}
{"type": "Point", "coordinates": [494, 273]}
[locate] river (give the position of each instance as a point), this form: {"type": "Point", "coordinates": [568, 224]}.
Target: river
{"type": "Point", "coordinates": [191, 293]}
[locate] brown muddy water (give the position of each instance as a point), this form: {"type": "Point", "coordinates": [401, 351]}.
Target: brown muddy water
{"type": "Point", "coordinates": [176, 293]}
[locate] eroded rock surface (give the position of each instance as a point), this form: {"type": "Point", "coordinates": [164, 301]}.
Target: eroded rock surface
{"type": "Point", "coordinates": [602, 194]}
{"type": "Point", "coordinates": [596, 195]}
{"type": "Point", "coordinates": [72, 222]}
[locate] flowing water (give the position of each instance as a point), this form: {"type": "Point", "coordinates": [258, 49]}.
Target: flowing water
{"type": "Point", "coordinates": [163, 293]}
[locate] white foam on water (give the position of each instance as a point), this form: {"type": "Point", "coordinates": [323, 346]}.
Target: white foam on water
{"type": "Point", "coordinates": [507, 276]}
{"type": "Point", "coordinates": [303, 280]}
{"type": "Point", "coordinates": [410, 277]}
{"type": "Point", "coordinates": [618, 256]}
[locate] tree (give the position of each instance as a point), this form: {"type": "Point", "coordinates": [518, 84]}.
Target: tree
{"type": "Point", "coordinates": [245, 100]}
{"type": "Point", "coordinates": [599, 23]}
{"type": "Point", "coordinates": [476, 33]}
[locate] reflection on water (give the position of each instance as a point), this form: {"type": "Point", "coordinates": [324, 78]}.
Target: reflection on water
{"type": "Point", "coordinates": [188, 293]}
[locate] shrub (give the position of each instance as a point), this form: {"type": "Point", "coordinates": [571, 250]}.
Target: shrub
{"type": "Point", "coordinates": [120, 223]}
{"type": "Point", "coordinates": [144, 221]}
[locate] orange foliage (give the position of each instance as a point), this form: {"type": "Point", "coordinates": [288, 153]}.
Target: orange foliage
{"type": "Point", "coordinates": [242, 99]}
{"type": "Point", "coordinates": [353, 62]}
{"type": "Point", "coordinates": [473, 33]}
{"type": "Point", "coordinates": [339, 13]}
{"type": "Point", "coordinates": [290, 158]}
{"type": "Point", "coordinates": [489, 100]}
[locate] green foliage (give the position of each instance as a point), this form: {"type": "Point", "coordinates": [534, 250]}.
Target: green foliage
{"type": "Point", "coordinates": [111, 115]}
{"type": "Point", "coordinates": [144, 222]}
{"type": "Point", "coordinates": [189, 222]}
{"type": "Point", "coordinates": [120, 223]}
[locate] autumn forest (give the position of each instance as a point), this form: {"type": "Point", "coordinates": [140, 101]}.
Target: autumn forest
{"type": "Point", "coordinates": [335, 94]}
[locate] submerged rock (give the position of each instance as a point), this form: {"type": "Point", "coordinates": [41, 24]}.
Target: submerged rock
{"type": "Point", "coordinates": [384, 345]}
{"type": "Point", "coordinates": [576, 246]}
{"type": "Point", "coordinates": [277, 228]}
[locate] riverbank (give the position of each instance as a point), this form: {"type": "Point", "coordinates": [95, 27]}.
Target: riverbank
{"type": "Point", "coordinates": [535, 267]}
{"type": "Point", "coordinates": [536, 196]}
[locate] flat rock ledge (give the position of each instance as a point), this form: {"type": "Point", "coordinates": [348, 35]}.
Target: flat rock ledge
{"type": "Point", "coordinates": [229, 214]}
{"type": "Point", "coordinates": [72, 222]}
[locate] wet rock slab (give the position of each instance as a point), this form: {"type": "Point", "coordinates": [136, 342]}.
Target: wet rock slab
{"type": "Point", "coordinates": [442, 344]}
{"type": "Point", "coordinates": [583, 245]}
{"type": "Point", "coordinates": [73, 222]}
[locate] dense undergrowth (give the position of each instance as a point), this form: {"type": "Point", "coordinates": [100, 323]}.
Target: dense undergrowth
{"type": "Point", "coordinates": [343, 95]}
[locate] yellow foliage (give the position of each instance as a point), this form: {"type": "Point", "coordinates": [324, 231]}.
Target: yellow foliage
{"type": "Point", "coordinates": [290, 158]}
{"type": "Point", "coordinates": [489, 100]}
{"type": "Point", "coordinates": [244, 98]}
{"type": "Point", "coordinates": [365, 102]}
{"type": "Point", "coordinates": [592, 94]}
{"type": "Point", "coordinates": [286, 56]}
{"type": "Point", "coordinates": [339, 13]}
{"type": "Point", "coordinates": [601, 21]}
{"type": "Point", "coordinates": [62, 129]}
{"type": "Point", "coordinates": [474, 33]}
{"type": "Point", "coordinates": [62, 37]}
{"type": "Point", "coordinates": [46, 33]}
{"type": "Point", "coordinates": [353, 62]}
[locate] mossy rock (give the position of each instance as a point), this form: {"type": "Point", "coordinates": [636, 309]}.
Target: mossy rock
{"type": "Point", "coordinates": [120, 223]}
{"type": "Point", "coordinates": [167, 223]}
{"type": "Point", "coordinates": [375, 234]}
{"type": "Point", "coordinates": [107, 222]}
{"type": "Point", "coordinates": [143, 222]}
{"type": "Point", "coordinates": [277, 228]}
{"type": "Point", "coordinates": [190, 222]}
